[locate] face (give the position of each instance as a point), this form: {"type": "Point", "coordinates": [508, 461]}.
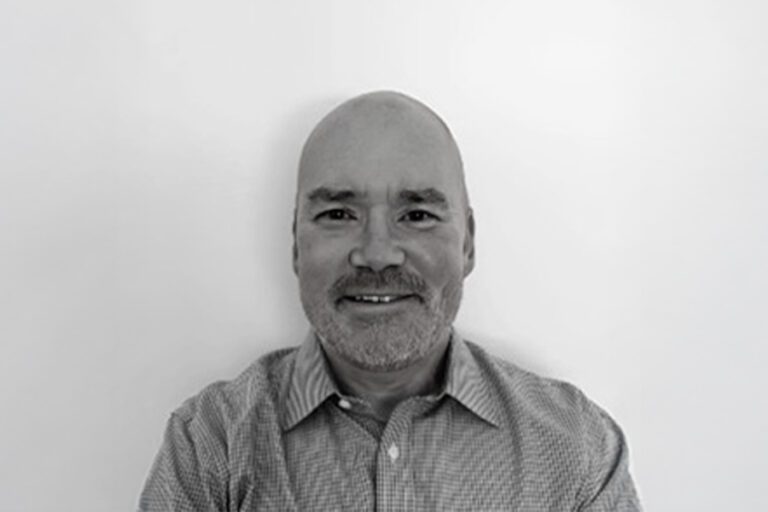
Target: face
{"type": "Point", "coordinates": [383, 236]}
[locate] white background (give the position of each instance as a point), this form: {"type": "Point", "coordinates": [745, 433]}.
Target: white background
{"type": "Point", "coordinates": [616, 156]}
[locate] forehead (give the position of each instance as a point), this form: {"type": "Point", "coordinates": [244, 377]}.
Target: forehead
{"type": "Point", "coordinates": [381, 149]}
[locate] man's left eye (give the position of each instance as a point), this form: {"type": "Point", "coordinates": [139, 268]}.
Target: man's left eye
{"type": "Point", "coordinates": [419, 216]}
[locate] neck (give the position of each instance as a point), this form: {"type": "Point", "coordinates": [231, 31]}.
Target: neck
{"type": "Point", "coordinates": [383, 390]}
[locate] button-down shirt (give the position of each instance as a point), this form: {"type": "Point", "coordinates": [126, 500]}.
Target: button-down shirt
{"type": "Point", "coordinates": [495, 437]}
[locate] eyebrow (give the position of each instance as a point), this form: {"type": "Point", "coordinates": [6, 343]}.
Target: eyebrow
{"type": "Point", "coordinates": [424, 196]}
{"type": "Point", "coordinates": [429, 195]}
{"type": "Point", "coordinates": [330, 195]}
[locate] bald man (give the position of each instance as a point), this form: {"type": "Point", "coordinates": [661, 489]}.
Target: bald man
{"type": "Point", "coordinates": [384, 406]}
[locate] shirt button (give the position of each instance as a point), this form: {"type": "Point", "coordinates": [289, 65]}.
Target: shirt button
{"type": "Point", "coordinates": [344, 404]}
{"type": "Point", "coordinates": [393, 452]}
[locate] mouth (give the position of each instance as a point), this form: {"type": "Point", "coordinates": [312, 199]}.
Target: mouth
{"type": "Point", "coordinates": [376, 301]}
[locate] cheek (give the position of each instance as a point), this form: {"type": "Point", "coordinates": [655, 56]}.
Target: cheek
{"type": "Point", "coordinates": [441, 254]}
{"type": "Point", "coordinates": [319, 258]}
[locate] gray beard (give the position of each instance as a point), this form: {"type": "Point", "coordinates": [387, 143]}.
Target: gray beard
{"type": "Point", "coordinates": [381, 346]}
{"type": "Point", "coordinates": [388, 343]}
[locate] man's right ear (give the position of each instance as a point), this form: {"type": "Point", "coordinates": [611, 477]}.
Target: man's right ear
{"type": "Point", "coordinates": [295, 249]}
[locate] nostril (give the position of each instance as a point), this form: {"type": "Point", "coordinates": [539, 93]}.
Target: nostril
{"type": "Point", "coordinates": [377, 255]}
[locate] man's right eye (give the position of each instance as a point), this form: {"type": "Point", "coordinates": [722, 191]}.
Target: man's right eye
{"type": "Point", "coordinates": [335, 215]}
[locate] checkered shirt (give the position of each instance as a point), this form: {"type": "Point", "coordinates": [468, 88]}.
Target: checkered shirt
{"type": "Point", "coordinates": [282, 437]}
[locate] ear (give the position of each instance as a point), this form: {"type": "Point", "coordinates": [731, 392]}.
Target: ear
{"type": "Point", "coordinates": [295, 249]}
{"type": "Point", "coordinates": [469, 243]}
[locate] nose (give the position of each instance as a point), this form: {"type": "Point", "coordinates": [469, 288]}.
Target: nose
{"type": "Point", "coordinates": [377, 249]}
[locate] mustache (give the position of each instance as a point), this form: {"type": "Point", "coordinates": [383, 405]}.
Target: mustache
{"type": "Point", "coordinates": [391, 279]}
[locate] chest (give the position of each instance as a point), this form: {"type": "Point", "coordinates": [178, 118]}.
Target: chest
{"type": "Point", "coordinates": [448, 460]}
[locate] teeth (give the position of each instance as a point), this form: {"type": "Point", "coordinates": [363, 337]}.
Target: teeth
{"type": "Point", "coordinates": [375, 298]}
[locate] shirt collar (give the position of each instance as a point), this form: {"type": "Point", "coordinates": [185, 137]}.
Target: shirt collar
{"type": "Point", "coordinates": [465, 382]}
{"type": "Point", "coordinates": [311, 383]}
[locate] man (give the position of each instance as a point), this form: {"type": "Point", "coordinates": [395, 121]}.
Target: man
{"type": "Point", "coordinates": [384, 406]}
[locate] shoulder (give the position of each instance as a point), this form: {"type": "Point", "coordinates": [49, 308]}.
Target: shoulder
{"type": "Point", "coordinates": [552, 420]}
{"type": "Point", "coordinates": [192, 467]}
{"type": "Point", "coordinates": [524, 384]}
{"type": "Point", "coordinates": [560, 431]}
{"type": "Point", "coordinates": [226, 402]}
{"type": "Point", "coordinates": [545, 406]}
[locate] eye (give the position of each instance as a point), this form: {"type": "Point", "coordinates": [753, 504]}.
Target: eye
{"type": "Point", "coordinates": [420, 217]}
{"type": "Point", "coordinates": [335, 215]}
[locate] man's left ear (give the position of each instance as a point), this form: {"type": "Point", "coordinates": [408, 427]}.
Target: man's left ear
{"type": "Point", "coordinates": [469, 243]}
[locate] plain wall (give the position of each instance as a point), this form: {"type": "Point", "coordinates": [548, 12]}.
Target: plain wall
{"type": "Point", "coordinates": [616, 157]}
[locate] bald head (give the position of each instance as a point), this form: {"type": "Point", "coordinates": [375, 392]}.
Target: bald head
{"type": "Point", "coordinates": [383, 233]}
{"type": "Point", "coordinates": [377, 130]}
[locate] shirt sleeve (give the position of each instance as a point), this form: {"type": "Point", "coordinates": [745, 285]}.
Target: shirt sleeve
{"type": "Point", "coordinates": [188, 473]}
{"type": "Point", "coordinates": [608, 486]}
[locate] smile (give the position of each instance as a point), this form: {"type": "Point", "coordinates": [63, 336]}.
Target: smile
{"type": "Point", "coordinates": [380, 299]}
{"type": "Point", "coordinates": [377, 299]}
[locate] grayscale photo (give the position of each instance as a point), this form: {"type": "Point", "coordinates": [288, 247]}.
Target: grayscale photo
{"type": "Point", "coordinates": [383, 256]}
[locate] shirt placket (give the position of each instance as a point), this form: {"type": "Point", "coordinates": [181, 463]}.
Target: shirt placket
{"type": "Point", "coordinates": [394, 482]}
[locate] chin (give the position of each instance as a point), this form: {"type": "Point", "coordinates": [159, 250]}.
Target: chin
{"type": "Point", "coordinates": [381, 346]}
